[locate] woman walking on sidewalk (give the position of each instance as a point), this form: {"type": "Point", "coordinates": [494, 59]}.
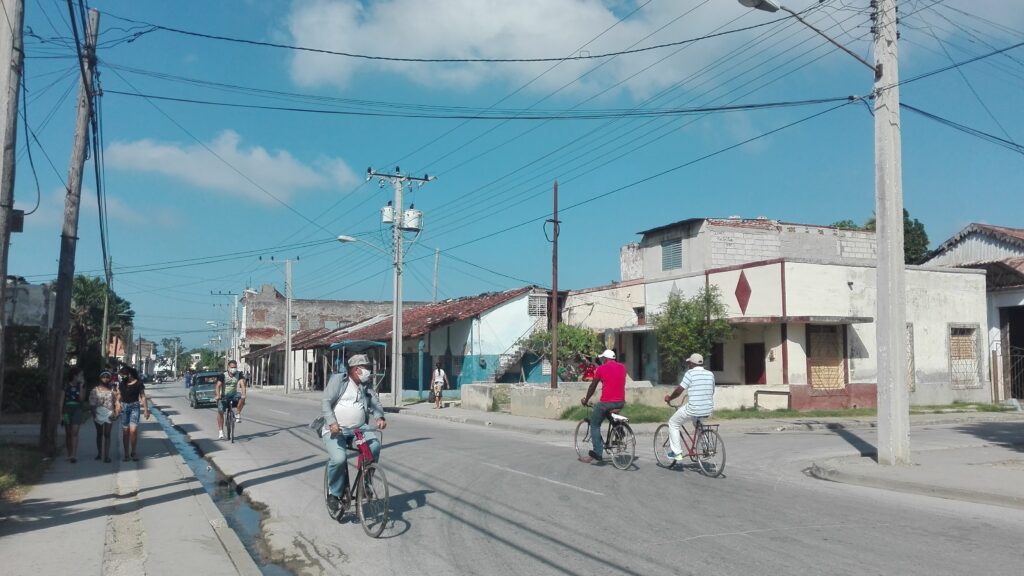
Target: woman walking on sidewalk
{"type": "Point", "coordinates": [132, 394]}
{"type": "Point", "coordinates": [105, 407]}
{"type": "Point", "coordinates": [75, 410]}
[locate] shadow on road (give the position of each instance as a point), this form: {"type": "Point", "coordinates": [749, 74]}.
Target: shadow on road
{"type": "Point", "coordinates": [1005, 434]}
{"type": "Point", "coordinates": [866, 449]}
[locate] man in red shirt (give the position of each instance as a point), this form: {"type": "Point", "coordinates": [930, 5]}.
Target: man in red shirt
{"type": "Point", "coordinates": [612, 376]}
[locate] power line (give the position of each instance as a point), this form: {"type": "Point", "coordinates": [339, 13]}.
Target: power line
{"type": "Point", "coordinates": [556, 115]}
{"type": "Point", "coordinates": [1008, 144]}
{"type": "Point", "coordinates": [156, 27]}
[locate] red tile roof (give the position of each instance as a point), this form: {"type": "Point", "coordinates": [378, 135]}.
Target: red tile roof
{"type": "Point", "coordinates": [1014, 233]}
{"type": "Point", "coordinates": [423, 319]}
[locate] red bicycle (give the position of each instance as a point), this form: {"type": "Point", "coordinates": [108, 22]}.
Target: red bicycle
{"type": "Point", "coordinates": [704, 446]}
{"type": "Point", "coordinates": [370, 492]}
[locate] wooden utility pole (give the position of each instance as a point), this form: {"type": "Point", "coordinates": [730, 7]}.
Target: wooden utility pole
{"type": "Point", "coordinates": [68, 245]}
{"type": "Point", "coordinates": [553, 307]}
{"type": "Point", "coordinates": [10, 87]}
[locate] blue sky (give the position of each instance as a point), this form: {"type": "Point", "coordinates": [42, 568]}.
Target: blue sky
{"type": "Point", "coordinates": [187, 181]}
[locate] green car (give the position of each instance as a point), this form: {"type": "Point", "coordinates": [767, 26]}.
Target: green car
{"type": "Point", "coordinates": [202, 391]}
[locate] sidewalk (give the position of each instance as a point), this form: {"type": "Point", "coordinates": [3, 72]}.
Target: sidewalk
{"type": "Point", "coordinates": [120, 518]}
{"type": "Point", "coordinates": [992, 474]}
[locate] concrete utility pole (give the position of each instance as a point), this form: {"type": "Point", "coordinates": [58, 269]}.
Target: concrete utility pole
{"type": "Point", "coordinates": [398, 182]}
{"type": "Point", "coordinates": [288, 326]}
{"type": "Point", "coordinates": [68, 245]}
{"type": "Point", "coordinates": [234, 321]}
{"type": "Point", "coordinates": [891, 321]}
{"type": "Point", "coordinates": [10, 88]}
{"type": "Point", "coordinates": [553, 308]}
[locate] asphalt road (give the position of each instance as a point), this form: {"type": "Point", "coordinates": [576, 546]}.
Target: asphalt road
{"type": "Point", "coordinates": [471, 500]}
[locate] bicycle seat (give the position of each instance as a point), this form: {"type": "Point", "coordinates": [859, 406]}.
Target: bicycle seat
{"type": "Point", "coordinates": [616, 417]}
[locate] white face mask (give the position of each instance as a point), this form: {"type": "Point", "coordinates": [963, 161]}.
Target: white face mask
{"type": "Point", "coordinates": [363, 375]}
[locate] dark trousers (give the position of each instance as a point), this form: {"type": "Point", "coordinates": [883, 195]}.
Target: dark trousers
{"type": "Point", "coordinates": [596, 417]}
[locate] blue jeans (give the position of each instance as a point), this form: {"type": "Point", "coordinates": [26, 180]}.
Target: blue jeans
{"type": "Point", "coordinates": [130, 414]}
{"type": "Point", "coordinates": [599, 413]}
{"type": "Point", "coordinates": [337, 465]}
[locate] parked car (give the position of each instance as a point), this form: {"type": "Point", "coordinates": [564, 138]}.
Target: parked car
{"type": "Point", "coordinates": [202, 391]}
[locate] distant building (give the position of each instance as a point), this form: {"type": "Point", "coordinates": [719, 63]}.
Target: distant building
{"type": "Point", "coordinates": [263, 316]}
{"type": "Point", "coordinates": [999, 251]}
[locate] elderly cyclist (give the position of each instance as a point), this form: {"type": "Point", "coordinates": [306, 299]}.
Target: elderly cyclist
{"type": "Point", "coordinates": [699, 384]}
{"type": "Point", "coordinates": [348, 402]}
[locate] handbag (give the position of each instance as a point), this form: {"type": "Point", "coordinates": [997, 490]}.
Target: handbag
{"type": "Point", "coordinates": [431, 397]}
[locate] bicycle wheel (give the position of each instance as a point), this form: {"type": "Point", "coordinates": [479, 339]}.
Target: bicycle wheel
{"type": "Point", "coordinates": [710, 453]}
{"type": "Point", "coordinates": [662, 446]}
{"type": "Point", "coordinates": [582, 438]}
{"type": "Point", "coordinates": [622, 446]}
{"type": "Point", "coordinates": [229, 423]}
{"type": "Point", "coordinates": [372, 500]}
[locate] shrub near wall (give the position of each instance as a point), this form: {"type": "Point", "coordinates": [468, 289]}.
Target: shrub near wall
{"type": "Point", "coordinates": [24, 390]}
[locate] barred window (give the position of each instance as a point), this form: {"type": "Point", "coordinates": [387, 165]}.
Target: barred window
{"type": "Point", "coordinates": [963, 356]}
{"type": "Point", "coordinates": [672, 254]}
{"type": "Point", "coordinates": [538, 305]}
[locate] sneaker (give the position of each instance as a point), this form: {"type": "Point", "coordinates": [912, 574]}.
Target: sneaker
{"type": "Point", "coordinates": [333, 503]}
{"type": "Point", "coordinates": [595, 456]}
{"type": "Point", "coordinates": [220, 435]}
{"type": "Point", "coordinates": [673, 456]}
{"type": "Point", "coordinates": [238, 418]}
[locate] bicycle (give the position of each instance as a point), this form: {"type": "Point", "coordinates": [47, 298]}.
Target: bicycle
{"type": "Point", "coordinates": [620, 442]}
{"type": "Point", "coordinates": [229, 419]}
{"type": "Point", "coordinates": [704, 446]}
{"type": "Point", "coordinates": [370, 492]}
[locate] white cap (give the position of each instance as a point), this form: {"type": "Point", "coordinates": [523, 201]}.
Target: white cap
{"type": "Point", "coordinates": [696, 359]}
{"type": "Point", "coordinates": [358, 360]}
{"type": "Point", "coordinates": [607, 354]}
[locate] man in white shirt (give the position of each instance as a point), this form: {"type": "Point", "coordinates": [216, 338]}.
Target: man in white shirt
{"type": "Point", "coordinates": [699, 384]}
{"type": "Point", "coordinates": [348, 402]}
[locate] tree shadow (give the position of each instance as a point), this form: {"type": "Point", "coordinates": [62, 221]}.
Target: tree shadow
{"type": "Point", "coordinates": [1005, 434]}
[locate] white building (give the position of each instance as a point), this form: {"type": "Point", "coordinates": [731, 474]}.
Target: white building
{"type": "Point", "coordinates": [802, 301]}
{"type": "Point", "coordinates": [999, 251]}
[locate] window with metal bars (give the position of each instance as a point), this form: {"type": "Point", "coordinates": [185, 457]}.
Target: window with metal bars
{"type": "Point", "coordinates": [538, 305]}
{"type": "Point", "coordinates": [964, 367]}
{"type": "Point", "coordinates": [672, 254]}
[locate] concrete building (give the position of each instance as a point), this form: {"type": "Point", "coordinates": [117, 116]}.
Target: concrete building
{"type": "Point", "coordinates": [801, 300]}
{"type": "Point", "coordinates": [263, 316]}
{"type": "Point", "coordinates": [999, 251]}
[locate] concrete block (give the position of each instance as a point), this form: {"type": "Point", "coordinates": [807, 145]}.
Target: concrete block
{"type": "Point", "coordinates": [477, 397]}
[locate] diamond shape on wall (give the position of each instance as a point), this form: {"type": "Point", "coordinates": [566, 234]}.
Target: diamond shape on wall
{"type": "Point", "coordinates": [743, 292]}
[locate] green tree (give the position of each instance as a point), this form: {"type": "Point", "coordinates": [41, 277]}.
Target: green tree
{"type": "Point", "coordinates": [846, 225]}
{"type": "Point", "coordinates": [915, 238]}
{"type": "Point", "coordinates": [86, 327]}
{"type": "Point", "coordinates": [576, 346]}
{"type": "Point", "coordinates": [208, 359]}
{"type": "Point", "coordinates": [684, 326]}
{"type": "Point", "coordinates": [171, 346]}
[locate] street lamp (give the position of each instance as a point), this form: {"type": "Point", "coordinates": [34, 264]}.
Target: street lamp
{"type": "Point", "coordinates": [890, 324]}
{"type": "Point", "coordinates": [396, 317]}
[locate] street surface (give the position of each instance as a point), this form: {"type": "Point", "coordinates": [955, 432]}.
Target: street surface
{"type": "Point", "coordinates": [471, 500]}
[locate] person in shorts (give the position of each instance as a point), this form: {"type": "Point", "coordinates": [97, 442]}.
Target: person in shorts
{"type": "Point", "coordinates": [75, 410]}
{"type": "Point", "coordinates": [439, 382]}
{"type": "Point", "coordinates": [230, 387]}
{"type": "Point", "coordinates": [132, 393]}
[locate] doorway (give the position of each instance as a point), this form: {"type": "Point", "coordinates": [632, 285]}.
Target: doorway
{"type": "Point", "coordinates": [1012, 321]}
{"type": "Point", "coordinates": [753, 363]}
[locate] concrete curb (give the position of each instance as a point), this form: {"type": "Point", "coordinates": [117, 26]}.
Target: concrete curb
{"type": "Point", "coordinates": [229, 540]}
{"type": "Point", "coordinates": [832, 473]}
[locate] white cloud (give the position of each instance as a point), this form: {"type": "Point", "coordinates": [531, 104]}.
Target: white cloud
{"type": "Point", "coordinates": [553, 28]}
{"type": "Point", "coordinates": [496, 29]}
{"type": "Point", "coordinates": [225, 165]}
{"type": "Point", "coordinates": [51, 212]}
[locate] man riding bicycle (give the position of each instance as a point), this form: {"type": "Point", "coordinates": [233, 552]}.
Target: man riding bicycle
{"type": "Point", "coordinates": [699, 384]}
{"type": "Point", "coordinates": [348, 402]}
{"type": "Point", "coordinates": [230, 387]}
{"type": "Point", "coordinates": [612, 375]}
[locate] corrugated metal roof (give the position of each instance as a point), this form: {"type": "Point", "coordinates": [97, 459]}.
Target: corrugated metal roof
{"type": "Point", "coordinates": [1012, 235]}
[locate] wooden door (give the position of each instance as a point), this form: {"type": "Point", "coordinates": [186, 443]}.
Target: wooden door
{"type": "Point", "coordinates": [753, 363]}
